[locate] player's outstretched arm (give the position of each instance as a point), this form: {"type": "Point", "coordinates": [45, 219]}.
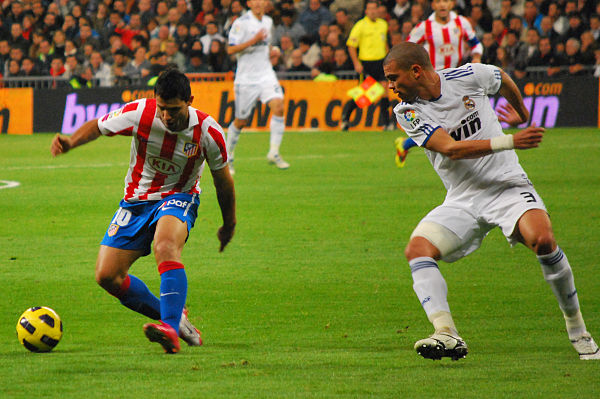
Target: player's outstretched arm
{"type": "Point", "coordinates": [87, 132]}
{"type": "Point", "coordinates": [226, 198]}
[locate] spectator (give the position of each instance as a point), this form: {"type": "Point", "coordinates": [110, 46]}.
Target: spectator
{"type": "Point", "coordinates": [131, 30]}
{"type": "Point", "coordinates": [4, 54]}
{"type": "Point", "coordinates": [401, 9]}
{"type": "Point", "coordinates": [417, 14]}
{"type": "Point", "coordinates": [474, 17]}
{"type": "Point", "coordinates": [185, 15]}
{"type": "Point", "coordinates": [547, 58]}
{"type": "Point", "coordinates": [173, 17]}
{"type": "Point", "coordinates": [38, 11]}
{"type": "Point", "coordinates": [311, 52]}
{"type": "Point", "coordinates": [576, 27]}
{"type": "Point", "coordinates": [506, 11]}
{"type": "Point", "coordinates": [208, 9]}
{"type": "Point", "coordinates": [276, 59]}
{"type": "Point", "coordinates": [16, 13]}
{"type": "Point", "coordinates": [342, 19]}
{"type": "Point", "coordinates": [597, 63]}
{"type": "Point", "coordinates": [183, 38]}
{"type": "Point", "coordinates": [158, 63]}
{"type": "Point", "coordinates": [139, 66]}
{"type": "Point", "coordinates": [100, 70]}
{"type": "Point", "coordinates": [516, 24]}
{"type": "Point", "coordinates": [120, 60]}
{"type": "Point", "coordinates": [217, 58]}
{"type": "Point", "coordinates": [236, 9]}
{"type": "Point", "coordinates": [70, 49]}
{"type": "Point", "coordinates": [288, 27]}
{"type": "Point", "coordinates": [212, 33]}
{"type": "Point", "coordinates": [559, 22]}
{"type": "Point", "coordinates": [44, 55]}
{"type": "Point", "coordinates": [531, 15]}
{"type": "Point", "coordinates": [487, 19]}
{"type": "Point", "coordinates": [73, 66]}
{"type": "Point", "coordinates": [16, 37]}
{"type": "Point", "coordinates": [513, 45]}
{"type": "Point", "coordinates": [145, 11]}
{"type": "Point", "coordinates": [326, 63]}
{"type": "Point", "coordinates": [85, 36]}
{"type": "Point", "coordinates": [99, 18]}
{"type": "Point", "coordinates": [588, 46]}
{"type": "Point", "coordinates": [174, 56]}
{"type": "Point", "coordinates": [296, 62]}
{"type": "Point", "coordinates": [13, 69]}
{"type": "Point", "coordinates": [353, 9]}
{"type": "Point", "coordinates": [153, 47]}
{"type": "Point", "coordinates": [595, 26]}
{"type": "Point", "coordinates": [573, 57]}
{"type": "Point", "coordinates": [499, 32]}
{"type": "Point", "coordinates": [547, 29]}
{"type": "Point", "coordinates": [489, 48]}
{"type": "Point", "coordinates": [529, 51]}
{"type": "Point", "coordinates": [286, 46]}
{"type": "Point", "coordinates": [162, 11]}
{"type": "Point", "coordinates": [504, 60]}
{"type": "Point", "coordinates": [57, 67]}
{"type": "Point", "coordinates": [29, 67]}
{"type": "Point", "coordinates": [196, 63]}
{"type": "Point", "coordinates": [50, 23]}
{"type": "Point", "coordinates": [323, 32]}
{"type": "Point", "coordinates": [342, 61]}
{"type": "Point", "coordinates": [70, 27]}
{"type": "Point", "coordinates": [313, 17]}
{"type": "Point", "coordinates": [58, 42]}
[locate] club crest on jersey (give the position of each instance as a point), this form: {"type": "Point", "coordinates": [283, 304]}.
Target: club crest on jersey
{"type": "Point", "coordinates": [410, 115]}
{"type": "Point", "coordinates": [112, 229]}
{"type": "Point", "coordinates": [469, 103]}
{"type": "Point", "coordinates": [190, 149]}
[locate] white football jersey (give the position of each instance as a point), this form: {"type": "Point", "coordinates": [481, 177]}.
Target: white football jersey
{"type": "Point", "coordinates": [163, 163]}
{"type": "Point", "coordinates": [464, 111]}
{"type": "Point", "coordinates": [253, 64]}
{"type": "Point", "coordinates": [446, 43]}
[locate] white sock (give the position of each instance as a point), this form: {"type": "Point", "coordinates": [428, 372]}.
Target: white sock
{"type": "Point", "coordinates": [557, 272]}
{"type": "Point", "coordinates": [277, 127]}
{"type": "Point", "coordinates": [432, 291]}
{"type": "Point", "coordinates": [233, 135]}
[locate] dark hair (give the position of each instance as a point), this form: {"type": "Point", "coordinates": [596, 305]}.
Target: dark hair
{"type": "Point", "coordinates": [407, 54]}
{"type": "Point", "coordinates": [172, 83]}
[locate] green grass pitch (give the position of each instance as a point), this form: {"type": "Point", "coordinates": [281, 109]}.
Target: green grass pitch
{"type": "Point", "coordinates": [313, 297]}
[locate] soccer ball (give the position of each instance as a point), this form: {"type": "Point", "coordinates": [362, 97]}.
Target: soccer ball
{"type": "Point", "coordinates": [39, 329]}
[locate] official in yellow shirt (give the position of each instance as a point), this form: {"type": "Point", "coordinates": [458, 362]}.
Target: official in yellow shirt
{"type": "Point", "coordinates": [367, 47]}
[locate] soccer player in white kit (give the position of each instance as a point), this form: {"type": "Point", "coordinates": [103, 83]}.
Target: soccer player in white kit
{"type": "Point", "coordinates": [250, 38]}
{"type": "Point", "coordinates": [445, 35]}
{"type": "Point", "coordinates": [170, 142]}
{"type": "Point", "coordinates": [448, 113]}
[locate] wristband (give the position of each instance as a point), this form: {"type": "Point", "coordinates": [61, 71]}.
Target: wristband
{"type": "Point", "coordinates": [502, 143]}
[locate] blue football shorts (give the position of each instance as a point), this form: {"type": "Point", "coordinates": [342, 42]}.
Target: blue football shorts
{"type": "Point", "coordinates": [133, 225]}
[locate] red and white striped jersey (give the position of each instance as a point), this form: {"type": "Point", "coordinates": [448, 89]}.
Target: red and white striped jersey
{"type": "Point", "coordinates": [446, 43]}
{"type": "Point", "coordinates": [163, 163]}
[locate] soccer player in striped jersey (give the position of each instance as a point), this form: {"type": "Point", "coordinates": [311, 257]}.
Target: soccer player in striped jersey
{"type": "Point", "coordinates": [170, 143]}
{"type": "Point", "coordinates": [446, 36]}
{"type": "Point", "coordinates": [448, 112]}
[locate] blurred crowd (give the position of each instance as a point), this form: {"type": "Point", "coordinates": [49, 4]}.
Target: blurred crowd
{"type": "Point", "coordinates": [117, 42]}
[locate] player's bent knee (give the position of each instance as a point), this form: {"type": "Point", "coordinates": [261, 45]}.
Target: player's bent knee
{"type": "Point", "coordinates": [545, 243]}
{"type": "Point", "coordinates": [166, 249]}
{"type": "Point", "coordinates": [433, 240]}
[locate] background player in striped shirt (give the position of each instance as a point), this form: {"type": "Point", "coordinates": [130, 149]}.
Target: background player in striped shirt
{"type": "Point", "coordinates": [449, 39]}
{"type": "Point", "coordinates": [448, 112]}
{"type": "Point", "coordinates": [170, 143]}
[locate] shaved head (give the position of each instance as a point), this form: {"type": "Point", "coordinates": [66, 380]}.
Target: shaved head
{"type": "Point", "coordinates": [407, 54]}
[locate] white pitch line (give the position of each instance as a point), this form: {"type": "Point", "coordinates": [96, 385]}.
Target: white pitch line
{"type": "Point", "coordinates": [9, 184]}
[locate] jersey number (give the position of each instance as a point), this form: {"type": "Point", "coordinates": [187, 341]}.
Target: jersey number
{"type": "Point", "coordinates": [122, 217]}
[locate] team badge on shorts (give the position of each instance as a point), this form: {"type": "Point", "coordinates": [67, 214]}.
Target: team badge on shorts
{"type": "Point", "coordinates": [190, 149]}
{"type": "Point", "coordinates": [469, 103]}
{"type": "Point", "coordinates": [112, 229]}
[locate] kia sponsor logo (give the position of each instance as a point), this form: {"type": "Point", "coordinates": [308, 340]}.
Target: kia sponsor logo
{"type": "Point", "coordinates": [164, 165]}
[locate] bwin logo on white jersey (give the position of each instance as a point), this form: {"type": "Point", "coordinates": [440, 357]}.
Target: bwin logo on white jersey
{"type": "Point", "coordinates": [468, 127]}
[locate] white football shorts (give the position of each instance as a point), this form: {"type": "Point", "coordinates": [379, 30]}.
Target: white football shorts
{"type": "Point", "coordinates": [472, 221]}
{"type": "Point", "coordinates": [246, 96]}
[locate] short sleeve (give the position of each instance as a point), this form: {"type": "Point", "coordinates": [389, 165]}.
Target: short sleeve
{"type": "Point", "coordinates": [121, 121]}
{"type": "Point", "coordinates": [236, 34]}
{"type": "Point", "coordinates": [213, 143]}
{"type": "Point", "coordinates": [354, 36]}
{"type": "Point", "coordinates": [488, 77]}
{"type": "Point", "coordinates": [415, 124]}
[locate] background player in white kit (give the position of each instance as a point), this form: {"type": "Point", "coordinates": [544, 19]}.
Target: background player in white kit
{"type": "Point", "coordinates": [250, 38]}
{"type": "Point", "coordinates": [449, 113]}
{"type": "Point", "coordinates": [170, 142]}
{"type": "Point", "coordinates": [446, 36]}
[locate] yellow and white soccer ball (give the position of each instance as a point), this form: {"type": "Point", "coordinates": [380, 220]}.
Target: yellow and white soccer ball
{"type": "Point", "coordinates": [39, 329]}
